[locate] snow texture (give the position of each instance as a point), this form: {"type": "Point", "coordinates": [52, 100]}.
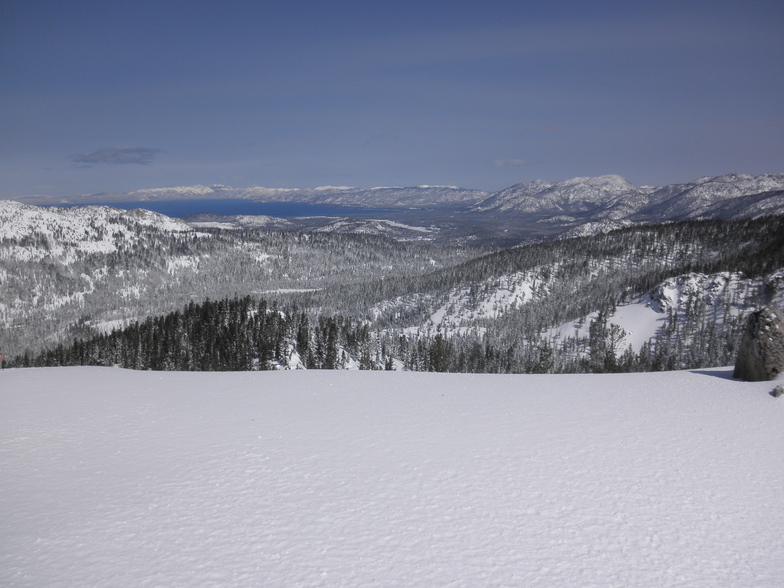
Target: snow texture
{"type": "Point", "coordinates": [121, 478]}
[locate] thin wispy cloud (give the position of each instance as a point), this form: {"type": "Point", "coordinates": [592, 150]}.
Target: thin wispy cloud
{"type": "Point", "coordinates": [118, 155]}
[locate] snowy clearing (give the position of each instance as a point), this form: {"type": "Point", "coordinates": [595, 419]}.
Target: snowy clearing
{"type": "Point", "coordinates": [314, 478]}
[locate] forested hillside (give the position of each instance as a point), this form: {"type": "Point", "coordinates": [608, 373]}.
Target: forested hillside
{"type": "Point", "coordinates": [231, 334]}
{"type": "Point", "coordinates": [563, 279]}
{"type": "Point", "coordinates": [508, 311]}
{"type": "Point", "coordinates": [78, 272]}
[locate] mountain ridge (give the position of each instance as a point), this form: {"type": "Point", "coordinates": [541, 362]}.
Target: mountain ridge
{"type": "Point", "coordinates": [611, 197]}
{"type": "Point", "coordinates": [346, 196]}
{"type": "Point", "coordinates": [547, 208]}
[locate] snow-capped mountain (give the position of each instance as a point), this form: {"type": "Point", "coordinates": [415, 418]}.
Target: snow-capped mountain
{"type": "Point", "coordinates": [381, 197]}
{"type": "Point", "coordinates": [32, 233]}
{"type": "Point", "coordinates": [526, 211]}
{"type": "Point", "coordinates": [612, 198]}
{"type": "Point", "coordinates": [728, 196]}
{"type": "Point", "coordinates": [18, 220]}
{"type": "Point", "coordinates": [343, 196]}
{"type": "Point", "coordinates": [576, 196]}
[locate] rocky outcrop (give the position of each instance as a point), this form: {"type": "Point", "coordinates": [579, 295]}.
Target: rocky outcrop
{"type": "Point", "coordinates": [761, 351]}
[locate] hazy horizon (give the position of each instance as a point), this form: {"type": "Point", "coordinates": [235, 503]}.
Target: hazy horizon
{"type": "Point", "coordinates": [116, 97]}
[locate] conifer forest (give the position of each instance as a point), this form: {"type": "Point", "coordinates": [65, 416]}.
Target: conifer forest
{"type": "Point", "coordinates": [264, 299]}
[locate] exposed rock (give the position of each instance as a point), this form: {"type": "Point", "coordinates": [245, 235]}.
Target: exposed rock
{"type": "Point", "coordinates": [761, 352]}
{"type": "Point", "coordinates": [777, 391]}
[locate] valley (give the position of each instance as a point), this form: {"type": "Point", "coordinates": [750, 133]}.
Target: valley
{"type": "Point", "coordinates": [473, 283]}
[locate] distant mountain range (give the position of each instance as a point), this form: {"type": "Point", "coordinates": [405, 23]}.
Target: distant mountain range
{"type": "Point", "coordinates": [613, 198]}
{"type": "Point", "coordinates": [344, 196]}
{"type": "Point", "coordinates": [579, 206]}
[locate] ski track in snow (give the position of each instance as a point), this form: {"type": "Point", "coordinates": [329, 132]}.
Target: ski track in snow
{"type": "Point", "coordinates": [120, 478]}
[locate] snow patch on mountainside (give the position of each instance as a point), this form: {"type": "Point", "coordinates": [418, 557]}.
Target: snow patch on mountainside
{"type": "Point", "coordinates": [718, 297]}
{"type": "Point", "coordinates": [464, 306]}
{"type": "Point", "coordinates": [713, 291]}
{"type": "Point", "coordinates": [638, 319]}
{"type": "Point", "coordinates": [596, 228]}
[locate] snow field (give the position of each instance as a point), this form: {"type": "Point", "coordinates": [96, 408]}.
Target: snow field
{"type": "Point", "coordinates": [119, 478]}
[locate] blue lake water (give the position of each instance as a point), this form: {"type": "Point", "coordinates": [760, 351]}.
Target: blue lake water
{"type": "Point", "coordinates": [181, 208]}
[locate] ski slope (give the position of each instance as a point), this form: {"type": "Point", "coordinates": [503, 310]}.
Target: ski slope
{"type": "Point", "coordinates": [119, 478]}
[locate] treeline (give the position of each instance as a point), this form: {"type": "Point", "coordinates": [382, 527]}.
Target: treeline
{"type": "Point", "coordinates": [227, 335]}
{"type": "Point", "coordinates": [242, 334]}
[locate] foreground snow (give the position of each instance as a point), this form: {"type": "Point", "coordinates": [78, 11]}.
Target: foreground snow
{"type": "Point", "coordinates": [120, 478]}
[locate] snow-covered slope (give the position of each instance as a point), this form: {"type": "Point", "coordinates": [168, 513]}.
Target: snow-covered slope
{"type": "Point", "coordinates": [575, 196]}
{"type": "Point", "coordinates": [469, 305]}
{"type": "Point", "coordinates": [67, 272]}
{"type": "Point", "coordinates": [714, 298]}
{"type": "Point", "coordinates": [612, 198]}
{"type": "Point", "coordinates": [689, 200]}
{"type": "Point", "coordinates": [379, 227]}
{"type": "Point", "coordinates": [18, 220]}
{"type": "Point", "coordinates": [118, 478]}
{"type": "Point", "coordinates": [40, 232]}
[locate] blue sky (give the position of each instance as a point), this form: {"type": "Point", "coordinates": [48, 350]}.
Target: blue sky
{"type": "Point", "coordinates": [116, 96]}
